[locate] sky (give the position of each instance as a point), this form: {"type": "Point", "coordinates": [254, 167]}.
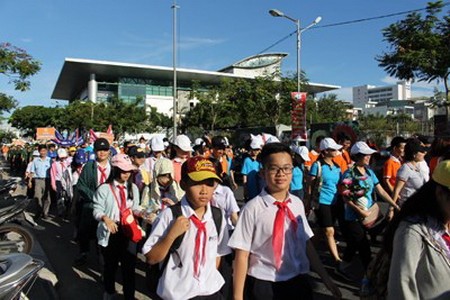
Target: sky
{"type": "Point", "coordinates": [212, 34]}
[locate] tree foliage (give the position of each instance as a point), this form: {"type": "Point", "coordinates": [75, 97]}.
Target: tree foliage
{"type": "Point", "coordinates": [124, 117]}
{"type": "Point", "coordinates": [18, 66]}
{"type": "Point", "coordinates": [419, 47]}
{"type": "Point", "coordinates": [328, 109]}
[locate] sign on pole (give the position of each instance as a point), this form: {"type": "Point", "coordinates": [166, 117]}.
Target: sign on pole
{"type": "Point", "coordinates": [298, 115]}
{"type": "Point", "coordinates": [45, 133]}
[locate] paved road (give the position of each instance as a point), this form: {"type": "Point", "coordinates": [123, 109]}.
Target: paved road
{"type": "Point", "coordinates": [61, 279]}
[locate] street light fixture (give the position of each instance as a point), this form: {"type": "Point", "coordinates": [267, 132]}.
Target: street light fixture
{"type": "Point", "coordinates": [277, 13]}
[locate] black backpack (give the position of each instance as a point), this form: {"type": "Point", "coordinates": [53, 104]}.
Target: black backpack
{"type": "Point", "coordinates": [154, 272]}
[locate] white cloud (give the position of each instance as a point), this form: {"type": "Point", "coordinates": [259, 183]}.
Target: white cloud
{"type": "Point", "coordinates": [345, 94]}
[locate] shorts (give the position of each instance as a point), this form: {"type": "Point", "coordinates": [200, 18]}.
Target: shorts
{"type": "Point", "coordinates": [326, 215]}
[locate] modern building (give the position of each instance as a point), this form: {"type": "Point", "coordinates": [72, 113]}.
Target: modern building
{"type": "Point", "coordinates": [100, 81]}
{"type": "Point", "coordinates": [366, 96]}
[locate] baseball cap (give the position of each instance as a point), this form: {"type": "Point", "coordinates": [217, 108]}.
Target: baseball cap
{"type": "Point", "coordinates": [442, 173]}
{"type": "Point", "coordinates": [256, 142]}
{"type": "Point", "coordinates": [101, 144]}
{"type": "Point", "coordinates": [123, 162]}
{"type": "Point", "coordinates": [35, 153]}
{"type": "Point", "coordinates": [136, 152]}
{"type": "Point", "coordinates": [362, 147]}
{"type": "Point", "coordinates": [329, 143]}
{"type": "Point", "coordinates": [199, 142]}
{"type": "Point", "coordinates": [219, 142]}
{"type": "Point", "coordinates": [183, 142]}
{"type": "Point", "coordinates": [157, 144]}
{"type": "Point", "coordinates": [62, 153]}
{"type": "Point", "coordinates": [272, 139]}
{"type": "Point", "coordinates": [80, 156]}
{"type": "Point", "coordinates": [200, 168]}
{"type": "Point", "coordinates": [302, 151]}
{"type": "Point", "coordinates": [72, 149]}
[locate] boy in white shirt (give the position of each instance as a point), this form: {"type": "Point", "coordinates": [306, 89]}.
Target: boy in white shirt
{"type": "Point", "coordinates": [190, 271]}
{"type": "Point", "coordinates": [271, 238]}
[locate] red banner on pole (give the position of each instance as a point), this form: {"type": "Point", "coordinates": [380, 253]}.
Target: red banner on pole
{"type": "Point", "coordinates": [298, 115]}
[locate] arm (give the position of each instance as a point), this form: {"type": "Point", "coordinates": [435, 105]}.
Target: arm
{"type": "Point", "coordinates": [388, 184]}
{"type": "Point", "coordinates": [83, 184]}
{"type": "Point", "coordinates": [52, 176]}
{"type": "Point", "coordinates": [359, 211]}
{"type": "Point", "coordinates": [160, 250]}
{"type": "Point", "coordinates": [317, 266]}
{"type": "Point", "coordinates": [240, 273]}
{"type": "Point", "coordinates": [99, 211]}
{"type": "Point", "coordinates": [398, 188]}
{"type": "Point", "coordinates": [234, 218]}
{"type": "Point", "coordinates": [385, 196]}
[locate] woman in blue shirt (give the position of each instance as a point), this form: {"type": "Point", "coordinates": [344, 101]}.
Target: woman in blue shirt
{"type": "Point", "coordinates": [298, 173]}
{"type": "Point", "coordinates": [366, 181]}
{"type": "Point", "coordinates": [325, 176]}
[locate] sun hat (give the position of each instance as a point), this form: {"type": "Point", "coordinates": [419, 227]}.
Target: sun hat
{"type": "Point", "coordinates": [302, 151]}
{"type": "Point", "coordinates": [62, 153]}
{"type": "Point", "coordinates": [442, 173]}
{"type": "Point", "coordinates": [80, 157]}
{"type": "Point", "coordinates": [183, 142]}
{"type": "Point", "coordinates": [256, 142]}
{"type": "Point", "coordinates": [329, 143]}
{"type": "Point", "coordinates": [163, 166]}
{"type": "Point", "coordinates": [157, 144]}
{"type": "Point", "coordinates": [123, 162]}
{"type": "Point", "coordinates": [362, 147]}
{"type": "Point", "coordinates": [200, 168]}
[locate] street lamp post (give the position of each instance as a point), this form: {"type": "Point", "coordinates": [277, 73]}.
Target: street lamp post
{"type": "Point", "coordinates": [174, 110]}
{"type": "Point", "coordinates": [277, 13]}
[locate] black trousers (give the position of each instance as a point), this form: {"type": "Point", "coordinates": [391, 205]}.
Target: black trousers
{"type": "Point", "coordinates": [298, 287]}
{"type": "Point", "coordinates": [118, 250]}
{"type": "Point", "coordinates": [356, 238]}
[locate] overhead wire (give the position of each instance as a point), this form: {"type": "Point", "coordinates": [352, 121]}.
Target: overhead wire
{"type": "Point", "coordinates": [347, 23]}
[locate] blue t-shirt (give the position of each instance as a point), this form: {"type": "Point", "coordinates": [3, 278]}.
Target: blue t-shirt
{"type": "Point", "coordinates": [297, 179]}
{"type": "Point", "coordinates": [370, 182]}
{"type": "Point", "coordinates": [331, 175]}
{"type": "Point", "coordinates": [250, 168]}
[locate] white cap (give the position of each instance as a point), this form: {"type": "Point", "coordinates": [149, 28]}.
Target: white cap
{"type": "Point", "coordinates": [199, 141]}
{"type": "Point", "coordinates": [361, 147]}
{"type": "Point", "coordinates": [62, 153]}
{"type": "Point", "coordinates": [329, 143]}
{"type": "Point", "coordinates": [227, 143]}
{"type": "Point", "coordinates": [298, 138]}
{"type": "Point", "coordinates": [157, 144]}
{"type": "Point", "coordinates": [272, 139]}
{"type": "Point", "coordinates": [183, 142]}
{"type": "Point", "coordinates": [257, 142]}
{"type": "Point", "coordinates": [35, 153]}
{"type": "Point", "coordinates": [302, 151]}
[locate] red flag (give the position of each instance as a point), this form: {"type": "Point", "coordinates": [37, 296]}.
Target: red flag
{"type": "Point", "coordinates": [298, 115]}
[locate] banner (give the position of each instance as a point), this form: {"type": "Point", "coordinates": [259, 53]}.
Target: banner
{"type": "Point", "coordinates": [45, 133]}
{"type": "Point", "coordinates": [298, 115]}
{"type": "Point", "coordinates": [108, 136]}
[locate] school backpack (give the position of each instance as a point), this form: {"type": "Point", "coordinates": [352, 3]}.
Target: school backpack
{"type": "Point", "coordinates": [154, 272]}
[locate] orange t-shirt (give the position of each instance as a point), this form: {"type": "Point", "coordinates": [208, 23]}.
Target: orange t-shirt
{"type": "Point", "coordinates": [390, 169]}
{"type": "Point", "coordinates": [434, 161]}
{"type": "Point", "coordinates": [313, 155]}
{"type": "Point", "coordinates": [343, 160]}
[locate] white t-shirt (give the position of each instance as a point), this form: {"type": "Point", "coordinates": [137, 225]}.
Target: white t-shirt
{"type": "Point", "coordinates": [224, 198]}
{"type": "Point", "coordinates": [413, 178]}
{"type": "Point", "coordinates": [424, 169]}
{"type": "Point", "coordinates": [253, 233]}
{"type": "Point", "coordinates": [178, 280]}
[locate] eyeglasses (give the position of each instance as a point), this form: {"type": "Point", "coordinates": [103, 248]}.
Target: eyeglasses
{"type": "Point", "coordinates": [274, 169]}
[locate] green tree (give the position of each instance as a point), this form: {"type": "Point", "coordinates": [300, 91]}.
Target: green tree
{"type": "Point", "coordinates": [18, 66]}
{"type": "Point", "coordinates": [28, 118]}
{"type": "Point", "coordinates": [419, 47]}
{"type": "Point", "coordinates": [328, 109]}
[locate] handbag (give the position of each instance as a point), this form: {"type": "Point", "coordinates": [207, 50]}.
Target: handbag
{"type": "Point", "coordinates": [374, 215]}
{"type": "Point", "coordinates": [128, 223]}
{"type": "Point", "coordinates": [317, 186]}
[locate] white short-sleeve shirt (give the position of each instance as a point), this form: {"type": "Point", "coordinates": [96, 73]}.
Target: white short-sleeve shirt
{"type": "Point", "coordinates": [413, 178]}
{"type": "Point", "coordinates": [177, 280]}
{"type": "Point", "coordinates": [223, 198]}
{"type": "Point", "coordinates": [253, 233]}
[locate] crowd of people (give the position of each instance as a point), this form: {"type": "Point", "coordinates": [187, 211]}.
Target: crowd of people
{"type": "Point", "coordinates": [160, 199]}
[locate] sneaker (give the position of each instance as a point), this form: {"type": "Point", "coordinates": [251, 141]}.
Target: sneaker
{"type": "Point", "coordinates": [81, 260]}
